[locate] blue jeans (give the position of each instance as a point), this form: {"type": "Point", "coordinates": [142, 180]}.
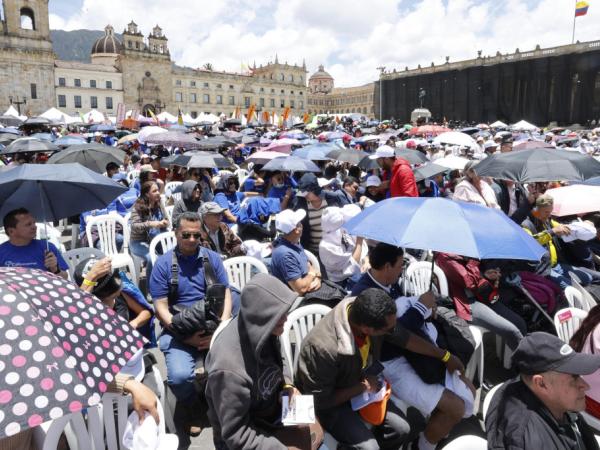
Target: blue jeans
{"type": "Point", "coordinates": [142, 249]}
{"type": "Point", "coordinates": [560, 274]}
{"type": "Point", "coordinates": [180, 360]}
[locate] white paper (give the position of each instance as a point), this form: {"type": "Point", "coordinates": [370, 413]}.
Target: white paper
{"type": "Point", "coordinates": [302, 411]}
{"type": "Point", "coordinates": [367, 398]}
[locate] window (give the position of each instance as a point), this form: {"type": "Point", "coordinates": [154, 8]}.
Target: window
{"type": "Point", "coordinates": [62, 82]}
{"type": "Point", "coordinates": [272, 103]}
{"type": "Point", "coordinates": [292, 104]}
{"type": "Point", "coordinates": [272, 91]}
{"type": "Point", "coordinates": [262, 89]}
{"type": "Point", "coordinates": [33, 91]}
{"type": "Point", "coordinates": [247, 102]}
{"type": "Point", "coordinates": [282, 103]}
{"type": "Point", "coordinates": [206, 98]}
{"type": "Point", "coordinates": [193, 98]}
{"type": "Point", "coordinates": [178, 97]}
{"type": "Point", "coordinates": [137, 45]}
{"type": "Point", "coordinates": [109, 103]}
{"type": "Point", "coordinates": [77, 82]}
{"type": "Point", "coordinates": [291, 78]}
{"type": "Point", "coordinates": [282, 91]}
{"type": "Point", "coordinates": [205, 84]}
{"type": "Point", "coordinates": [281, 77]}
{"type": "Point", "coordinates": [219, 99]}
{"type": "Point", "coordinates": [109, 85]}
{"type": "Point", "coordinates": [129, 44]}
{"type": "Point", "coordinates": [92, 83]}
{"type": "Point", "coordinates": [219, 85]}
{"type": "Point", "coordinates": [292, 92]}
{"type": "Point", "coordinates": [194, 114]}
{"type": "Point", "coordinates": [77, 100]}
{"type": "Point", "coordinates": [232, 100]}
{"type": "Point", "coordinates": [261, 102]}
{"type": "Point", "coordinates": [192, 84]}
{"type": "Point", "coordinates": [93, 101]}
{"type": "Point", "coordinates": [27, 19]}
{"type": "Point", "coordinates": [231, 86]}
{"type": "Point", "coordinates": [62, 101]}
{"type": "Point", "coordinates": [300, 92]}
{"type": "Point", "coordinates": [177, 82]}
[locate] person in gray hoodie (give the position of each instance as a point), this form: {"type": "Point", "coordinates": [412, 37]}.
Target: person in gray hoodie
{"type": "Point", "coordinates": [246, 377]}
{"type": "Point", "coordinates": [191, 195]}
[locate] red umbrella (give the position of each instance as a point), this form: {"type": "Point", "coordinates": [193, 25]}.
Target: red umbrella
{"type": "Point", "coordinates": [430, 130]}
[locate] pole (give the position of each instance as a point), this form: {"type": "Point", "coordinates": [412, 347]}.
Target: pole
{"type": "Point", "coordinates": [574, 21]}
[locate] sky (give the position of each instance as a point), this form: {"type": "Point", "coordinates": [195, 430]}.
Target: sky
{"type": "Point", "coordinates": [350, 38]}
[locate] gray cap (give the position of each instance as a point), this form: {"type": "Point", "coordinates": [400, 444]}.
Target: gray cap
{"type": "Point", "coordinates": [211, 208]}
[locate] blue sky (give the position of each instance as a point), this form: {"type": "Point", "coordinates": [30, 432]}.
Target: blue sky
{"type": "Point", "coordinates": [350, 38]}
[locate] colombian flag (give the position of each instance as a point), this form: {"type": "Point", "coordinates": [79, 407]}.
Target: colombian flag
{"type": "Point", "coordinates": [581, 8]}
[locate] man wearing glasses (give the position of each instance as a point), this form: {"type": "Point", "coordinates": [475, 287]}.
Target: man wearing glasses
{"type": "Point", "coordinates": [181, 355]}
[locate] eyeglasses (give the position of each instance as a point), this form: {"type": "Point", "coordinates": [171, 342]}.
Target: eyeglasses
{"type": "Point", "coordinates": [196, 236]}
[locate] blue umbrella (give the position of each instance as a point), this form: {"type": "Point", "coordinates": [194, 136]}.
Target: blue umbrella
{"type": "Point", "coordinates": [447, 226]}
{"type": "Point", "coordinates": [291, 164]}
{"type": "Point", "coordinates": [102, 127]}
{"type": "Point", "coordinates": [49, 137]}
{"type": "Point", "coordinates": [594, 181]}
{"type": "Point", "coordinates": [9, 130]}
{"type": "Point", "coordinates": [317, 152]}
{"type": "Point", "coordinates": [66, 141]}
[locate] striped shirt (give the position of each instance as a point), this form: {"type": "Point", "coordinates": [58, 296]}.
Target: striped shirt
{"type": "Point", "coordinates": [316, 228]}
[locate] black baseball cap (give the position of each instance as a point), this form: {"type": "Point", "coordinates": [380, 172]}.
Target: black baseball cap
{"type": "Point", "coordinates": [308, 183]}
{"type": "Point", "coordinates": [542, 352]}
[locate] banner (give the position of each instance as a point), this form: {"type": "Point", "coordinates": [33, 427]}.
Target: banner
{"type": "Point", "coordinates": [120, 114]}
{"type": "Point", "coordinates": [250, 113]}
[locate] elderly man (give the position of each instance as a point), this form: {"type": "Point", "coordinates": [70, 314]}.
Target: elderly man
{"type": "Point", "coordinates": [215, 234]}
{"type": "Point", "coordinates": [172, 294]}
{"type": "Point", "coordinates": [506, 143]}
{"type": "Point", "coordinates": [398, 176]}
{"type": "Point", "coordinates": [539, 410]}
{"type": "Point", "coordinates": [23, 250]}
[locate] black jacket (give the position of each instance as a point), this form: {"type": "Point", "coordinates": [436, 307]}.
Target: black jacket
{"type": "Point", "coordinates": [503, 198]}
{"type": "Point", "coordinates": [518, 420]}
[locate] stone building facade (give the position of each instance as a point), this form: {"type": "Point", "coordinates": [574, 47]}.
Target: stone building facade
{"type": "Point", "coordinates": [325, 98]}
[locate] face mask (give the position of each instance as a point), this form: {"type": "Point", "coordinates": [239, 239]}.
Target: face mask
{"type": "Point", "coordinates": [278, 185]}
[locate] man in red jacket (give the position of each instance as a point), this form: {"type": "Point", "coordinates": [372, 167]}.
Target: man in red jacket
{"type": "Point", "coordinates": [400, 178]}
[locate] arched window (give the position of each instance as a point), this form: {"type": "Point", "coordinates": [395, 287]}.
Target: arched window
{"type": "Point", "coordinates": [27, 19]}
{"type": "Point", "coordinates": [281, 77]}
{"type": "Point", "coordinates": [291, 78]}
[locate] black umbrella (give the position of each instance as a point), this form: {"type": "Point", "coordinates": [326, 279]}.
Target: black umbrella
{"type": "Point", "coordinates": [215, 142]}
{"type": "Point", "coordinates": [347, 155]}
{"type": "Point", "coordinates": [368, 164]}
{"type": "Point", "coordinates": [93, 156]}
{"type": "Point", "coordinates": [36, 122]}
{"type": "Point", "coordinates": [412, 156]}
{"type": "Point", "coordinates": [29, 145]}
{"type": "Point", "coordinates": [10, 121]}
{"type": "Point", "coordinates": [540, 164]}
{"type": "Point", "coordinates": [6, 138]}
{"type": "Point", "coordinates": [429, 170]}
{"type": "Point", "coordinates": [291, 164]}
{"type": "Point", "coordinates": [250, 139]}
{"type": "Point", "coordinates": [197, 159]}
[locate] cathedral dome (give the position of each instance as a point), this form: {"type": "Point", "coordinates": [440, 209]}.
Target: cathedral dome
{"type": "Point", "coordinates": [108, 43]}
{"type": "Point", "coordinates": [321, 74]}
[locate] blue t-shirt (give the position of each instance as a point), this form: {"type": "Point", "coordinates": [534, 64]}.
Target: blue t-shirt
{"type": "Point", "coordinates": [231, 201]}
{"type": "Point", "coordinates": [288, 261]}
{"type": "Point", "coordinates": [125, 201]}
{"type": "Point", "coordinates": [31, 255]}
{"type": "Point", "coordinates": [191, 287]}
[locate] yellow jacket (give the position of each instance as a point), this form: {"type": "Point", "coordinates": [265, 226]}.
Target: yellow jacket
{"type": "Point", "coordinates": [545, 239]}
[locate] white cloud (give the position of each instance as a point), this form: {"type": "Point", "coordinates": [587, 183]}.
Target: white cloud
{"type": "Point", "coordinates": [350, 38]}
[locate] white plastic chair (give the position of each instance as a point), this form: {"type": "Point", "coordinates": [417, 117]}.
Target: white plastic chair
{"type": "Point", "coordinates": [591, 421]}
{"type": "Point", "coordinates": [467, 442]}
{"type": "Point", "coordinates": [220, 328]}
{"type": "Point", "coordinates": [567, 322]}
{"type": "Point", "coordinates": [107, 231]}
{"type": "Point", "coordinates": [75, 256]}
{"type": "Point", "coordinates": [300, 321]}
{"type": "Point", "coordinates": [575, 298]}
{"type": "Point", "coordinates": [169, 211]}
{"type": "Point", "coordinates": [81, 432]}
{"type": "Point", "coordinates": [488, 399]}
{"type": "Point", "coordinates": [241, 269]}
{"type": "Point", "coordinates": [475, 365]}
{"type": "Point", "coordinates": [418, 276]}
{"type": "Point", "coordinates": [170, 187]}
{"type": "Point", "coordinates": [313, 260]}
{"type": "Point", "coordinates": [242, 174]}
{"type": "Point", "coordinates": [132, 175]}
{"type": "Point", "coordinates": [165, 240]}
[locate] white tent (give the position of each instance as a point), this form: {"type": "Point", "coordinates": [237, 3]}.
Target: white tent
{"type": "Point", "coordinates": [93, 116]}
{"type": "Point", "coordinates": [523, 126]}
{"type": "Point", "coordinates": [188, 119]}
{"type": "Point", "coordinates": [56, 115]}
{"type": "Point", "coordinates": [12, 111]}
{"type": "Point", "coordinates": [167, 117]}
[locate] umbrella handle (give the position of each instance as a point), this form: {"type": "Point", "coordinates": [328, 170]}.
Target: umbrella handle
{"type": "Point", "coordinates": [432, 267]}
{"type": "Point", "coordinates": [39, 183]}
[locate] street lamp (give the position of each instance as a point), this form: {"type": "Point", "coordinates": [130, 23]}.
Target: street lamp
{"type": "Point", "coordinates": [17, 102]}
{"type": "Point", "coordinates": [382, 71]}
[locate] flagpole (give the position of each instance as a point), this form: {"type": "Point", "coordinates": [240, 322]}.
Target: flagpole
{"type": "Point", "coordinates": [574, 21]}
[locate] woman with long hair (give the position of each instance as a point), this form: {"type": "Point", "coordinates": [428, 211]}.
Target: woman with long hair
{"type": "Point", "coordinates": [148, 219]}
{"type": "Point", "coordinates": [587, 340]}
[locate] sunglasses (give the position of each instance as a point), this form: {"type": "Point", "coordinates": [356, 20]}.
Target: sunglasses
{"type": "Point", "coordinates": [196, 236]}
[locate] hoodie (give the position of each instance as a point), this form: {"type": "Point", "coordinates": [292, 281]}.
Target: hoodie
{"type": "Point", "coordinates": [245, 369]}
{"type": "Point", "coordinates": [402, 182]}
{"type": "Point", "coordinates": [186, 203]}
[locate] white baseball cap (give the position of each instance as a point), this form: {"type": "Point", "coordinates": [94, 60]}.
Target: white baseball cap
{"type": "Point", "coordinates": [373, 180]}
{"type": "Point", "coordinates": [385, 151]}
{"type": "Point", "coordinates": [287, 220]}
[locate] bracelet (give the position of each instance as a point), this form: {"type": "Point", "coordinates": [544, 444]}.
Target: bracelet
{"type": "Point", "coordinates": [446, 356]}
{"type": "Point", "coordinates": [87, 282]}
{"type": "Point", "coordinates": [288, 386]}
{"type": "Point", "coordinates": [131, 377]}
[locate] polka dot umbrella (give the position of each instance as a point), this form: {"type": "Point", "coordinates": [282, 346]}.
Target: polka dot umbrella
{"type": "Point", "coordinates": [59, 348]}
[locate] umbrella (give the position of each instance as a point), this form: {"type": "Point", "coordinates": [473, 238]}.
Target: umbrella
{"type": "Point", "coordinates": [412, 156]}
{"type": "Point", "coordinates": [594, 181]}
{"type": "Point", "coordinates": [102, 127]}
{"type": "Point", "coordinates": [575, 199]}
{"type": "Point", "coordinates": [174, 139]}
{"type": "Point", "coordinates": [52, 192]}
{"type": "Point", "coordinates": [291, 164]}
{"type": "Point", "coordinates": [6, 138]}
{"type": "Point", "coordinates": [453, 162]}
{"type": "Point", "coordinates": [428, 130]}
{"type": "Point", "coordinates": [215, 142]}
{"type": "Point", "coordinates": [316, 152]}
{"type": "Point", "coordinates": [368, 164]}
{"type": "Point", "coordinates": [66, 141]}
{"type": "Point", "coordinates": [248, 131]}
{"type": "Point", "coordinates": [347, 155]}
{"type": "Point", "coordinates": [10, 130]}
{"type": "Point", "coordinates": [293, 134]}
{"type": "Point", "coordinates": [498, 124]}
{"type": "Point", "coordinates": [233, 135]}
{"type": "Point", "coordinates": [29, 145]}
{"type": "Point", "coordinates": [333, 135]}
{"type": "Point", "coordinates": [198, 159]}
{"type": "Point", "coordinates": [283, 145]}
{"type": "Point", "coordinates": [524, 145]}
{"type": "Point", "coordinates": [93, 156]}
{"type": "Point", "coordinates": [177, 127]}
{"type": "Point", "coordinates": [542, 164]}
{"type": "Point", "coordinates": [128, 138]}
{"type": "Point", "coordinates": [428, 170]}
{"type": "Point", "coordinates": [60, 348]}
{"type": "Point", "coordinates": [10, 121]}
{"type": "Point", "coordinates": [44, 137]}
{"type": "Point", "coordinates": [455, 138]}
{"type": "Point", "coordinates": [264, 157]}
{"type": "Point", "coordinates": [36, 122]}
{"type": "Point", "coordinates": [250, 139]}
{"type": "Point", "coordinates": [265, 141]}
{"type": "Point", "coordinates": [147, 131]}
{"type": "Point", "coordinates": [523, 125]}
{"type": "Point", "coordinates": [415, 223]}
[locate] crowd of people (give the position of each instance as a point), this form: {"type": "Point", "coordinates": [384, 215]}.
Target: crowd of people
{"type": "Point", "coordinates": [221, 345]}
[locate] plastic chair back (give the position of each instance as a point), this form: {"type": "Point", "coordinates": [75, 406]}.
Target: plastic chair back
{"type": "Point", "coordinates": [418, 275]}
{"type": "Point", "coordinates": [488, 400]}
{"type": "Point", "coordinates": [241, 269]}
{"type": "Point", "coordinates": [313, 260]}
{"type": "Point", "coordinates": [132, 175]}
{"type": "Point", "coordinates": [170, 188]}
{"type": "Point", "coordinates": [107, 232]}
{"type": "Point", "coordinates": [567, 322]}
{"type": "Point", "coordinates": [300, 321]}
{"type": "Point", "coordinates": [467, 442]}
{"type": "Point", "coordinates": [575, 298]}
{"type": "Point", "coordinates": [75, 256]}
{"type": "Point", "coordinates": [81, 433]}
{"type": "Point", "coordinates": [165, 240]}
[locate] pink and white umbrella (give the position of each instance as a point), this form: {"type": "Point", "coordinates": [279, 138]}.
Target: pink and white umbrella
{"type": "Point", "coordinates": [264, 157]}
{"type": "Point", "coordinates": [283, 145]}
{"type": "Point", "coordinates": [575, 199]}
